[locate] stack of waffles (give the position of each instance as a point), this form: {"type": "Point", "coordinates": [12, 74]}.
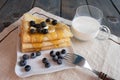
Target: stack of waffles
{"type": "Point", "coordinates": [42, 34]}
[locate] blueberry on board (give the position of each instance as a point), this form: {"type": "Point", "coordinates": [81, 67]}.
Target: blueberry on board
{"type": "Point", "coordinates": [55, 58]}
{"type": "Point", "coordinates": [45, 60]}
{"type": "Point", "coordinates": [48, 20]}
{"type": "Point", "coordinates": [27, 68]}
{"type": "Point", "coordinates": [22, 62]}
{"type": "Point", "coordinates": [57, 53]}
{"type": "Point", "coordinates": [51, 51]}
{"type": "Point", "coordinates": [52, 54]}
{"type": "Point", "coordinates": [63, 51]}
{"type": "Point", "coordinates": [54, 22]}
{"type": "Point", "coordinates": [38, 53]}
{"type": "Point", "coordinates": [25, 57]}
{"type": "Point", "coordinates": [33, 55]}
{"type": "Point", "coordinates": [59, 61]}
{"type": "Point", "coordinates": [47, 65]}
{"type": "Point", "coordinates": [32, 31]}
{"type": "Point", "coordinates": [32, 23]}
{"type": "Point", "coordinates": [43, 24]}
{"type": "Point", "coordinates": [45, 31]}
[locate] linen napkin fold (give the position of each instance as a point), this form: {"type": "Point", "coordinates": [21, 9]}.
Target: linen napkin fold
{"type": "Point", "coordinates": [102, 55]}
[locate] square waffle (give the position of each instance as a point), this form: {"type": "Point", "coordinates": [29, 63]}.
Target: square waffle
{"type": "Point", "coordinates": [58, 35]}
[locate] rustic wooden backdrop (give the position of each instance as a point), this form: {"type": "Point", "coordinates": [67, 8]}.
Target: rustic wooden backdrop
{"type": "Point", "coordinates": [11, 10]}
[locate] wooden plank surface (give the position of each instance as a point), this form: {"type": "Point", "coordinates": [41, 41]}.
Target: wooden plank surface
{"type": "Point", "coordinates": [52, 6]}
{"type": "Point", "coordinates": [117, 4]}
{"type": "Point", "coordinates": [10, 10]}
{"type": "Point", "coordinates": [111, 16]}
{"type": "Point", "coordinates": [2, 3]}
{"type": "Point", "coordinates": [13, 9]}
{"type": "Point", "coordinates": [68, 7]}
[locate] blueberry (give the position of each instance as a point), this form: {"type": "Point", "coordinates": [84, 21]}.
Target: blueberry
{"type": "Point", "coordinates": [27, 68]}
{"type": "Point", "coordinates": [51, 51]}
{"type": "Point", "coordinates": [55, 58]}
{"type": "Point", "coordinates": [52, 54]}
{"type": "Point", "coordinates": [57, 53]}
{"type": "Point", "coordinates": [45, 60]}
{"type": "Point", "coordinates": [43, 24]}
{"type": "Point", "coordinates": [60, 57]}
{"type": "Point", "coordinates": [59, 61]}
{"type": "Point", "coordinates": [54, 22]}
{"type": "Point", "coordinates": [38, 53]}
{"type": "Point", "coordinates": [22, 62]}
{"type": "Point", "coordinates": [47, 65]}
{"type": "Point", "coordinates": [48, 20]}
{"type": "Point", "coordinates": [37, 25]}
{"type": "Point", "coordinates": [32, 31]}
{"type": "Point", "coordinates": [33, 55]}
{"type": "Point", "coordinates": [45, 31]}
{"type": "Point", "coordinates": [63, 51]}
{"type": "Point", "coordinates": [32, 23]}
{"type": "Point", "coordinates": [25, 57]}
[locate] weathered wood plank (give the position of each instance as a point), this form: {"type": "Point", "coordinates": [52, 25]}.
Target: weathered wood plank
{"type": "Point", "coordinates": [69, 7]}
{"type": "Point", "coordinates": [13, 9]}
{"type": "Point", "coordinates": [52, 6]}
{"type": "Point", "coordinates": [117, 4]}
{"type": "Point", "coordinates": [111, 16]}
{"type": "Point", "coordinates": [2, 3]}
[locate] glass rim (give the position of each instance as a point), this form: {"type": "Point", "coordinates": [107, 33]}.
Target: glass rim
{"type": "Point", "coordinates": [101, 13]}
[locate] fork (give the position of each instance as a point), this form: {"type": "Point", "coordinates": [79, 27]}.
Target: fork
{"type": "Point", "coordinates": [80, 61]}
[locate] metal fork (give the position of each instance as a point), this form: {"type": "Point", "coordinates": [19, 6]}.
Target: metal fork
{"type": "Point", "coordinates": [80, 61]}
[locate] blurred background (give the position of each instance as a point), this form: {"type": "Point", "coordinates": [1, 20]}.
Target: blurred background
{"type": "Point", "coordinates": [11, 10]}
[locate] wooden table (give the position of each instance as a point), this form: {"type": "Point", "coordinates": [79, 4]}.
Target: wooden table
{"type": "Point", "coordinates": [10, 10]}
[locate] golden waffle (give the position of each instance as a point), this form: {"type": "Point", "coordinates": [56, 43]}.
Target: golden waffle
{"type": "Point", "coordinates": [44, 44]}
{"type": "Point", "coordinates": [58, 36]}
{"type": "Point", "coordinates": [65, 44]}
{"type": "Point", "coordinates": [61, 31]}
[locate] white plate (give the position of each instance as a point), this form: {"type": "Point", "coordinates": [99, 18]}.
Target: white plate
{"type": "Point", "coordinates": [37, 67]}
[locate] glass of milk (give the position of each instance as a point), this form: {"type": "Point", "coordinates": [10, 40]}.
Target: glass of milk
{"type": "Point", "coordinates": [86, 24]}
{"type": "Point", "coordinates": [90, 11]}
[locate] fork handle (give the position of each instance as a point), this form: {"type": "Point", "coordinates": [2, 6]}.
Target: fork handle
{"type": "Point", "coordinates": [104, 76]}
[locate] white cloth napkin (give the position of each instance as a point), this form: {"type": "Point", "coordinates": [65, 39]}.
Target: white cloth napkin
{"type": "Point", "coordinates": [102, 55]}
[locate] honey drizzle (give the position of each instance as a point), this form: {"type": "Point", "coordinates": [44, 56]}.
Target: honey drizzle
{"type": "Point", "coordinates": [57, 34]}
{"type": "Point", "coordinates": [37, 38]}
